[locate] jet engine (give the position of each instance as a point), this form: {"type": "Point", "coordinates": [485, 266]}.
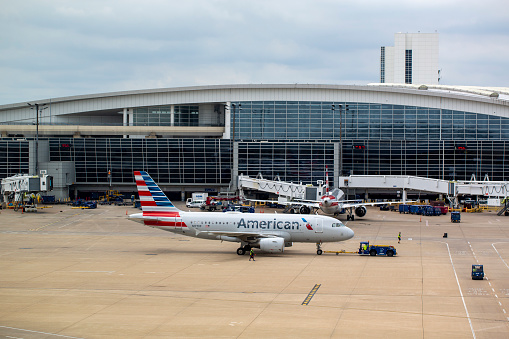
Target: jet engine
{"type": "Point", "coordinates": [304, 210]}
{"type": "Point", "coordinates": [360, 211]}
{"type": "Point", "coordinates": [272, 245]}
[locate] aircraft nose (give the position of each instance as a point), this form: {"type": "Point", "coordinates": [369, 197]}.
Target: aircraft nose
{"type": "Point", "coordinates": [349, 233]}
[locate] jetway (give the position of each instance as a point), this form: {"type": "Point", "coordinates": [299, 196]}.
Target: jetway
{"type": "Point", "coordinates": [453, 189]}
{"type": "Point", "coordinates": [287, 189]}
{"type": "Point", "coordinates": [14, 188]}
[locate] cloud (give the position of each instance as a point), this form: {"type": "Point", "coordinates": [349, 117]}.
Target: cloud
{"type": "Point", "coordinates": [54, 48]}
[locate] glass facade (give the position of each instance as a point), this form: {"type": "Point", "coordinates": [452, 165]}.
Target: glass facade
{"type": "Point", "coordinates": [294, 140]}
{"type": "Point", "coordinates": [448, 160]}
{"type": "Point", "coordinates": [375, 139]}
{"type": "Point", "coordinates": [291, 120]}
{"type": "Point", "coordinates": [291, 161]}
{"type": "Point", "coordinates": [14, 158]}
{"type": "Point", "coordinates": [169, 161]}
{"type": "Point", "coordinates": [382, 65]}
{"type": "Point", "coordinates": [183, 115]}
{"type": "Point", "coordinates": [408, 66]}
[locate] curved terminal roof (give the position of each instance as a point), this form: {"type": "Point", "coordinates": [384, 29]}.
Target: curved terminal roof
{"type": "Point", "coordinates": [492, 92]}
{"type": "Point", "coordinates": [487, 100]}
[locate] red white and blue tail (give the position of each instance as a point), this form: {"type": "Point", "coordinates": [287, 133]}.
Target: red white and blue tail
{"type": "Point", "coordinates": [153, 200]}
{"type": "Point", "coordinates": [327, 179]}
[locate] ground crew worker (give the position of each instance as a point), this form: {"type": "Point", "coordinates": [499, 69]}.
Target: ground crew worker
{"type": "Point", "coordinates": [251, 255]}
{"type": "Point", "coordinates": [399, 238]}
{"type": "Point", "coordinates": [364, 247]}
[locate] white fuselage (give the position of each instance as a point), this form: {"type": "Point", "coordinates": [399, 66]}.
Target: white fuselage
{"type": "Point", "coordinates": [330, 205]}
{"type": "Point", "coordinates": [228, 226]}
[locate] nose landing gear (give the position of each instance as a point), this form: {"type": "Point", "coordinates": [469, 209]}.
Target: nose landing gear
{"type": "Point", "coordinates": [319, 248]}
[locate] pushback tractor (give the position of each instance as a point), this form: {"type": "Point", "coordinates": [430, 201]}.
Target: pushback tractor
{"type": "Point", "coordinates": [365, 248]}
{"type": "Point", "coordinates": [477, 272]}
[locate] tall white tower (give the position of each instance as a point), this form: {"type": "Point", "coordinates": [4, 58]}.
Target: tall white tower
{"type": "Point", "coordinates": [412, 60]}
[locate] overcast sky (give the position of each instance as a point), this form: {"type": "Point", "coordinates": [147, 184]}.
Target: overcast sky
{"type": "Point", "coordinates": [56, 48]}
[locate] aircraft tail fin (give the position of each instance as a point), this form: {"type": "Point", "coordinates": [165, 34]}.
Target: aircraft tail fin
{"type": "Point", "coordinates": [152, 198]}
{"type": "Point", "coordinates": [327, 180]}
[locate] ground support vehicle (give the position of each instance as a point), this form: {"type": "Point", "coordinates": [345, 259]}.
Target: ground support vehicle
{"type": "Point", "coordinates": [111, 196]}
{"type": "Point", "coordinates": [365, 248]}
{"type": "Point", "coordinates": [216, 203]}
{"type": "Point", "coordinates": [239, 208]}
{"type": "Point", "coordinates": [477, 272]}
{"type": "Point", "coordinates": [455, 217]}
{"type": "Point", "coordinates": [404, 208]}
{"type": "Point", "coordinates": [415, 209]}
{"type": "Point", "coordinates": [197, 200]}
{"type": "Point", "coordinates": [80, 203]}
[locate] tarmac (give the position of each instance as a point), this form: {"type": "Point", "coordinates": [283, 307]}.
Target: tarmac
{"type": "Point", "coordinates": [91, 273]}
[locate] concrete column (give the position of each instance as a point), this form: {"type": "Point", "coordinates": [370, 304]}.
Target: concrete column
{"type": "Point", "coordinates": [227, 118]}
{"type": "Point", "coordinates": [404, 196]}
{"type": "Point", "coordinates": [336, 165]}
{"type": "Point", "coordinates": [172, 115]}
{"type": "Point", "coordinates": [235, 169]}
{"type": "Point", "coordinates": [124, 120]}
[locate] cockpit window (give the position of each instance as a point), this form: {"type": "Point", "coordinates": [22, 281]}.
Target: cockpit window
{"type": "Point", "coordinates": [337, 224]}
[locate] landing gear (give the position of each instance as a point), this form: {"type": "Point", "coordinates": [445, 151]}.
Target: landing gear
{"type": "Point", "coordinates": [243, 250]}
{"type": "Point", "coordinates": [319, 248]}
{"type": "Point", "coordinates": [304, 210]}
{"type": "Point", "coordinates": [350, 215]}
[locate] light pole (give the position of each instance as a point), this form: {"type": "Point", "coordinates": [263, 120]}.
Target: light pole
{"type": "Point", "coordinates": [233, 129]}
{"type": "Point", "coordinates": [37, 133]}
{"type": "Point", "coordinates": [340, 108]}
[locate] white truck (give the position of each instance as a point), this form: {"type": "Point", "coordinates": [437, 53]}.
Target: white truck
{"type": "Point", "coordinates": [197, 200]}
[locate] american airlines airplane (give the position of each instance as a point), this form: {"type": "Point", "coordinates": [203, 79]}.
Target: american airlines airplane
{"type": "Point", "coordinates": [270, 232]}
{"type": "Point", "coordinates": [331, 203]}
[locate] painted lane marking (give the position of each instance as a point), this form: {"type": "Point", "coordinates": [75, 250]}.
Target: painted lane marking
{"type": "Point", "coordinates": [311, 294]}
{"type": "Point", "coordinates": [46, 333]}
{"type": "Point", "coordinates": [493, 245]}
{"type": "Point", "coordinates": [44, 226]}
{"type": "Point", "coordinates": [461, 293]}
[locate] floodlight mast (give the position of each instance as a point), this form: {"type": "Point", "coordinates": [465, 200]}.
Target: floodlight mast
{"type": "Point", "coordinates": [37, 133]}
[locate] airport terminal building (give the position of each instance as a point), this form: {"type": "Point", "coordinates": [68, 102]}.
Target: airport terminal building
{"type": "Point", "coordinates": [201, 138]}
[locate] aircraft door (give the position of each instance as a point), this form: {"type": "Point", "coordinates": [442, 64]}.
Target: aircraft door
{"type": "Point", "coordinates": [178, 224]}
{"type": "Point", "coordinates": [318, 225]}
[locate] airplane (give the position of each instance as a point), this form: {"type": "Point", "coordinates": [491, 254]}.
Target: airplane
{"type": "Point", "coordinates": [270, 232]}
{"type": "Point", "coordinates": [331, 203]}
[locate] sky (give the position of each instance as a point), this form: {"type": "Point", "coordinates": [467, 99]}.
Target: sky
{"type": "Point", "coordinates": [58, 48]}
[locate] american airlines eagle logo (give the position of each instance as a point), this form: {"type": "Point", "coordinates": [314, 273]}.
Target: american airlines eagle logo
{"type": "Point", "coordinates": [308, 225]}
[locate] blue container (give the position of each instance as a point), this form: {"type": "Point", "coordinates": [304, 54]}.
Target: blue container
{"type": "Point", "coordinates": [415, 209]}
{"type": "Point", "coordinates": [404, 208]}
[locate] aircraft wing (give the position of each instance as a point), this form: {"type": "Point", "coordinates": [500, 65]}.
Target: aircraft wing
{"type": "Point", "coordinates": [309, 203]}
{"type": "Point", "coordinates": [357, 204]}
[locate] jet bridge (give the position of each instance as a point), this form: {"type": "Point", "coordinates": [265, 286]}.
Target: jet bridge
{"type": "Point", "coordinates": [289, 190]}
{"type": "Point", "coordinates": [453, 189]}
{"type": "Point", "coordinates": [14, 188]}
